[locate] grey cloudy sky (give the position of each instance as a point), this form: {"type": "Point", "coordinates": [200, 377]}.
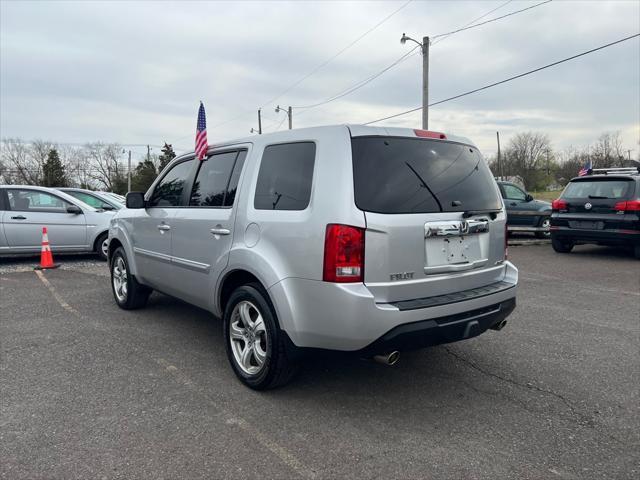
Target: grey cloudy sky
{"type": "Point", "coordinates": [134, 72]}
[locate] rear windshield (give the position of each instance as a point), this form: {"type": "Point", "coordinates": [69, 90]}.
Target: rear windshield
{"type": "Point", "coordinates": [605, 188]}
{"type": "Point", "coordinates": [406, 175]}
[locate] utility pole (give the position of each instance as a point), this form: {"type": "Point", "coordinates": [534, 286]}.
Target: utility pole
{"type": "Point", "coordinates": [425, 83]}
{"type": "Point", "coordinates": [289, 112]}
{"type": "Point", "coordinates": [259, 122]}
{"type": "Point", "coordinates": [629, 154]}
{"type": "Point", "coordinates": [424, 48]}
{"type": "Point", "coordinates": [129, 173]}
{"type": "Point", "coordinates": [500, 172]}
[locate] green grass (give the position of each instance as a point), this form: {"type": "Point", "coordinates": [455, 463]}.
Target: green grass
{"type": "Point", "coordinates": [546, 196]}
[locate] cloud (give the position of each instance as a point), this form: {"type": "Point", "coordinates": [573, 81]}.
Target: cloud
{"type": "Point", "coordinates": [133, 72]}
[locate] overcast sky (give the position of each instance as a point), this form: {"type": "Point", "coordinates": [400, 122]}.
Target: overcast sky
{"type": "Point", "coordinates": [134, 72]}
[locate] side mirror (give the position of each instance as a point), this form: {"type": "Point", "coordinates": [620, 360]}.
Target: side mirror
{"type": "Point", "coordinates": [106, 206]}
{"type": "Point", "coordinates": [135, 200]}
{"type": "Point", "coordinates": [528, 198]}
{"type": "Point", "coordinates": [76, 210]}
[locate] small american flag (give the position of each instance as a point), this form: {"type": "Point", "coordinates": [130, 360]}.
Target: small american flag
{"type": "Point", "coordinates": [586, 169]}
{"type": "Point", "coordinates": [201, 134]}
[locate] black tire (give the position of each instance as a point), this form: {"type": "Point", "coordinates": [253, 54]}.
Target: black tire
{"type": "Point", "coordinates": [136, 294]}
{"type": "Point", "coordinates": [277, 368]}
{"type": "Point", "coordinates": [636, 251]}
{"type": "Point", "coordinates": [561, 246]}
{"type": "Point", "coordinates": [545, 222]}
{"type": "Point", "coordinates": [99, 246]}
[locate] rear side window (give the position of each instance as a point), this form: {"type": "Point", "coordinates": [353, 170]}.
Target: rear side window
{"type": "Point", "coordinates": [168, 193]}
{"type": "Point", "coordinates": [605, 188]}
{"type": "Point", "coordinates": [406, 175]}
{"type": "Point", "coordinates": [284, 180]}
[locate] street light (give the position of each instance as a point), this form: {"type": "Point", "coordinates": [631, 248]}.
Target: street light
{"type": "Point", "coordinates": [289, 113]}
{"type": "Point", "coordinates": [424, 47]}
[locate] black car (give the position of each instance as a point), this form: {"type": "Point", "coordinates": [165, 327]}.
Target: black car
{"type": "Point", "coordinates": [524, 213]}
{"type": "Point", "coordinates": [602, 208]}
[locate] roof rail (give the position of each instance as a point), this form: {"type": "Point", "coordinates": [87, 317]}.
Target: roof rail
{"type": "Point", "coordinates": [616, 171]}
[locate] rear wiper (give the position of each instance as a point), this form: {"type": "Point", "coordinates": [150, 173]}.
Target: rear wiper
{"type": "Point", "coordinates": [471, 213]}
{"type": "Point", "coordinates": [599, 197]}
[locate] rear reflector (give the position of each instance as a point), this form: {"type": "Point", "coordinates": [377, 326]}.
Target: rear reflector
{"type": "Point", "coordinates": [430, 134]}
{"type": "Point", "coordinates": [558, 205]}
{"type": "Point", "coordinates": [628, 206]}
{"type": "Point", "coordinates": [343, 254]}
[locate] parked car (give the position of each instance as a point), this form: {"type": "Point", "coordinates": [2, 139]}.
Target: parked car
{"type": "Point", "coordinates": [98, 200]}
{"type": "Point", "coordinates": [602, 208]}
{"type": "Point", "coordinates": [73, 225]}
{"type": "Point", "coordinates": [352, 238]}
{"type": "Point", "coordinates": [524, 213]}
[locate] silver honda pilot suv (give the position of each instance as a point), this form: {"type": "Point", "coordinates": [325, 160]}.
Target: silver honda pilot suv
{"type": "Point", "coordinates": [360, 239]}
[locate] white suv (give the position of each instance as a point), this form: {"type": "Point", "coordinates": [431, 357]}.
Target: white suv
{"type": "Point", "coordinates": [361, 239]}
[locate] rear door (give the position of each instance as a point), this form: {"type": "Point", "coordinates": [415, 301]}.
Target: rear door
{"type": "Point", "coordinates": [202, 231]}
{"type": "Point", "coordinates": [30, 210]}
{"type": "Point", "coordinates": [434, 217]}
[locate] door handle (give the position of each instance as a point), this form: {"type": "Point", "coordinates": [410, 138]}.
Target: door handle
{"type": "Point", "coordinates": [220, 231]}
{"type": "Point", "coordinates": [513, 204]}
{"type": "Point", "coordinates": [19, 217]}
{"type": "Point", "coordinates": [164, 227]}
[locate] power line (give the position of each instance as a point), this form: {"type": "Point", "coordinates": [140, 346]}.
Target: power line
{"type": "Point", "coordinates": [489, 21]}
{"type": "Point", "coordinates": [507, 79]}
{"type": "Point", "coordinates": [295, 84]}
{"type": "Point", "coordinates": [474, 21]}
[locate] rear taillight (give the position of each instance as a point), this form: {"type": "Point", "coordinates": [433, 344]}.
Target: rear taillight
{"type": "Point", "coordinates": [343, 254]}
{"type": "Point", "coordinates": [628, 206]}
{"type": "Point", "coordinates": [558, 204]}
{"type": "Point", "coordinates": [506, 241]}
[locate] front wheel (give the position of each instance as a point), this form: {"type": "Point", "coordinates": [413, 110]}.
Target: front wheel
{"type": "Point", "coordinates": [102, 246]}
{"type": "Point", "coordinates": [127, 292]}
{"type": "Point", "coordinates": [561, 246]}
{"type": "Point", "coordinates": [255, 345]}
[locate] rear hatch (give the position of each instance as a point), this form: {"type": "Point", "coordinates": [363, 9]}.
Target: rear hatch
{"type": "Point", "coordinates": [435, 221]}
{"type": "Point", "coordinates": [590, 202]}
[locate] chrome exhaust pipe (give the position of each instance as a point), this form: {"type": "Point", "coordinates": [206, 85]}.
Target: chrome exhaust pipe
{"type": "Point", "coordinates": [500, 325]}
{"type": "Point", "coordinates": [388, 358]}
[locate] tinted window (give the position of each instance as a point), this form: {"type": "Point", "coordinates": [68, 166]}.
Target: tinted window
{"type": "Point", "coordinates": [210, 187]}
{"type": "Point", "coordinates": [168, 193]}
{"type": "Point", "coordinates": [284, 181]}
{"type": "Point", "coordinates": [513, 193]}
{"type": "Point", "coordinates": [235, 176]}
{"type": "Point", "coordinates": [599, 189]}
{"type": "Point", "coordinates": [405, 175]}
{"type": "Point", "coordinates": [33, 200]}
{"type": "Point", "coordinates": [86, 198]}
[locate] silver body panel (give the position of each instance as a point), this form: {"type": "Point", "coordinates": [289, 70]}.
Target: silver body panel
{"type": "Point", "coordinates": [21, 230]}
{"type": "Point", "coordinates": [284, 249]}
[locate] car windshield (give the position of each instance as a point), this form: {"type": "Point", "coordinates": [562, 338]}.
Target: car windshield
{"type": "Point", "coordinates": [604, 189]}
{"type": "Point", "coordinates": [412, 175]}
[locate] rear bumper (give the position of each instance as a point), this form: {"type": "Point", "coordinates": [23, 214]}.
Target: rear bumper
{"type": "Point", "coordinates": [346, 317]}
{"type": "Point", "coordinates": [608, 237]}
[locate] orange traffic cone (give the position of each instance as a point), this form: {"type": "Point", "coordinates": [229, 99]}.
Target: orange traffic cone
{"type": "Point", "coordinates": [46, 258]}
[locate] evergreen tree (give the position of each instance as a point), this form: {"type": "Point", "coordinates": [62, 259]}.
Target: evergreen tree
{"type": "Point", "coordinates": [143, 176]}
{"type": "Point", "coordinates": [53, 171]}
{"type": "Point", "coordinates": [167, 155]}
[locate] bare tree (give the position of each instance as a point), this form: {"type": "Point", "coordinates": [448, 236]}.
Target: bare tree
{"type": "Point", "coordinates": [608, 151]}
{"type": "Point", "coordinates": [526, 156]}
{"type": "Point", "coordinates": [108, 168]}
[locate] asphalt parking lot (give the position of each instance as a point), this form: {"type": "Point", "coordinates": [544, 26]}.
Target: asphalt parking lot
{"type": "Point", "coordinates": [91, 391]}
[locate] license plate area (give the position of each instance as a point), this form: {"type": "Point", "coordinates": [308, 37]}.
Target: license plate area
{"type": "Point", "coordinates": [586, 225]}
{"type": "Point", "coordinates": [455, 246]}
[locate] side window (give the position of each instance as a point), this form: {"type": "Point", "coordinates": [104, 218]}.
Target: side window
{"type": "Point", "coordinates": [35, 201]}
{"type": "Point", "coordinates": [284, 180]}
{"type": "Point", "coordinates": [233, 181]}
{"type": "Point", "coordinates": [168, 193]}
{"type": "Point", "coordinates": [514, 193]}
{"type": "Point", "coordinates": [88, 199]}
{"type": "Point", "coordinates": [210, 187]}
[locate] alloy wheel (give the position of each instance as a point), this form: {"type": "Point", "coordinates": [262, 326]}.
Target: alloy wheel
{"type": "Point", "coordinates": [248, 337]}
{"type": "Point", "coordinates": [119, 275]}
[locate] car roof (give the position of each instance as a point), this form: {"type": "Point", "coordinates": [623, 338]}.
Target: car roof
{"type": "Point", "coordinates": [586, 178]}
{"type": "Point", "coordinates": [298, 134]}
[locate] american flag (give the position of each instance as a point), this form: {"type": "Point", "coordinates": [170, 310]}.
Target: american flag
{"type": "Point", "coordinates": [586, 169]}
{"type": "Point", "coordinates": [201, 134]}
